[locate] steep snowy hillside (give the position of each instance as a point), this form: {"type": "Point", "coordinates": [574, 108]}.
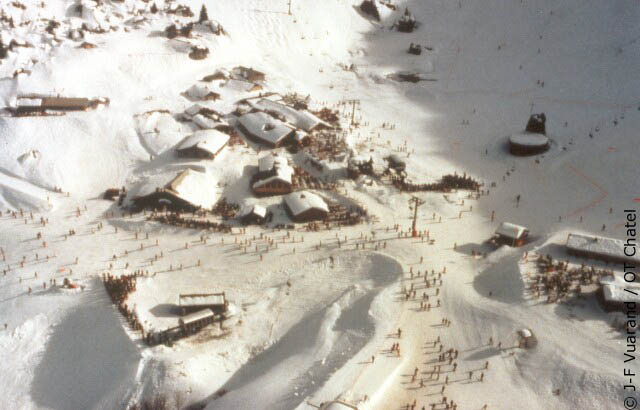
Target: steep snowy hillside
{"type": "Point", "coordinates": [315, 311]}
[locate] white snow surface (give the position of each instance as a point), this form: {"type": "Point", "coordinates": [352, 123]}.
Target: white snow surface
{"type": "Point", "coordinates": [313, 340]}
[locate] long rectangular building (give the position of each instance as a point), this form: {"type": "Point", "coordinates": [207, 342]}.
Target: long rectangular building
{"type": "Point", "coordinates": [599, 247]}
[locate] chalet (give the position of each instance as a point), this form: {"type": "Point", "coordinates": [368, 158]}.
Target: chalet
{"type": "Point", "coordinates": [252, 215]}
{"type": "Point", "coordinates": [203, 144]}
{"type": "Point", "coordinates": [241, 85]}
{"type": "Point", "coordinates": [301, 119]}
{"type": "Point", "coordinates": [189, 191]}
{"type": "Point", "coordinates": [511, 234]}
{"type": "Point", "coordinates": [600, 248]}
{"type": "Point", "coordinates": [202, 92]}
{"type": "Point", "coordinates": [274, 177]}
{"type": "Point", "coordinates": [248, 74]}
{"type": "Point", "coordinates": [195, 302]}
{"type": "Point", "coordinates": [263, 128]}
{"type": "Point", "coordinates": [304, 206]}
{"type": "Point", "coordinates": [218, 75]}
{"type": "Point", "coordinates": [194, 322]}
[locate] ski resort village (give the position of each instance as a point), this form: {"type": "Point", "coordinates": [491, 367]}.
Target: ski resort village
{"type": "Point", "coordinates": [335, 205]}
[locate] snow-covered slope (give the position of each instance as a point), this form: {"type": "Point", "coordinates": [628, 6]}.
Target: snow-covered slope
{"type": "Point", "coordinates": [488, 64]}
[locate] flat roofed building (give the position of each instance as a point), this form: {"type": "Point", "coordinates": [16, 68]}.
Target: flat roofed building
{"type": "Point", "coordinates": [599, 247]}
{"type": "Point", "coordinates": [194, 302]}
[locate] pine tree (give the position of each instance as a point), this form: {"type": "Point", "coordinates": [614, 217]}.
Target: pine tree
{"type": "Point", "coordinates": [203, 14]}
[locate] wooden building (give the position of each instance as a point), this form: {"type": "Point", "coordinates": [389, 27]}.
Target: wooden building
{"type": "Point", "coordinates": [194, 322]}
{"type": "Point", "coordinates": [264, 129]}
{"type": "Point", "coordinates": [203, 144]}
{"type": "Point", "coordinates": [252, 215]}
{"type": "Point", "coordinates": [195, 302]}
{"type": "Point", "coordinates": [304, 206]}
{"type": "Point", "coordinates": [511, 234]}
{"type": "Point", "coordinates": [248, 74]}
{"type": "Point", "coordinates": [300, 119]}
{"type": "Point", "coordinates": [189, 191]}
{"type": "Point", "coordinates": [537, 124]}
{"type": "Point", "coordinates": [65, 104]}
{"type": "Point", "coordinates": [274, 176]}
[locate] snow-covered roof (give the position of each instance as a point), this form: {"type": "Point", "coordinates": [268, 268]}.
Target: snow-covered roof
{"type": "Point", "coordinates": [282, 170]}
{"type": "Point", "coordinates": [298, 118]}
{"type": "Point", "coordinates": [196, 316]}
{"type": "Point", "coordinates": [197, 188]}
{"type": "Point", "coordinates": [511, 231]}
{"type": "Point", "coordinates": [240, 85]}
{"type": "Point", "coordinates": [201, 299]}
{"type": "Point", "coordinates": [613, 289]}
{"type": "Point", "coordinates": [247, 73]}
{"type": "Point", "coordinates": [199, 91]}
{"type": "Point", "coordinates": [265, 127]}
{"type": "Point", "coordinates": [302, 201]}
{"type": "Point", "coordinates": [524, 332]}
{"type": "Point", "coordinates": [210, 141]}
{"type": "Point", "coordinates": [258, 210]}
{"type": "Point", "coordinates": [598, 245]}
{"type": "Point", "coordinates": [204, 122]}
{"type": "Point", "coordinates": [529, 139]}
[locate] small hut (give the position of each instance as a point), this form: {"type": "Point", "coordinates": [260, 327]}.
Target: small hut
{"type": "Point", "coordinates": [415, 49]}
{"type": "Point", "coordinates": [511, 234]}
{"type": "Point", "coordinates": [406, 23]}
{"type": "Point", "coordinates": [537, 124]}
{"type": "Point", "coordinates": [252, 215]}
{"type": "Point", "coordinates": [526, 339]}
